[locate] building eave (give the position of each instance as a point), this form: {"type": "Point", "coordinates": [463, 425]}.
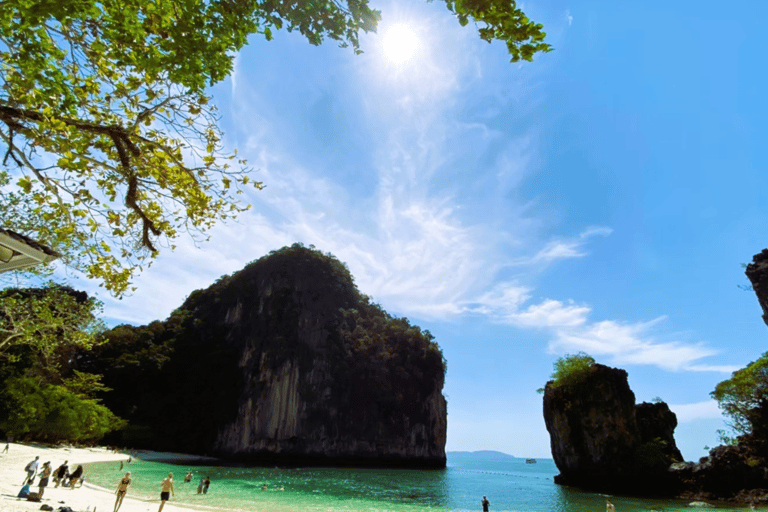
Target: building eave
{"type": "Point", "coordinates": [19, 251]}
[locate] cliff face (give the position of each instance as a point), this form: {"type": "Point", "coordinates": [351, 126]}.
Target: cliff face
{"type": "Point", "coordinates": [285, 362]}
{"type": "Point", "coordinates": [757, 273]}
{"type": "Point", "coordinates": [275, 425]}
{"type": "Point", "coordinates": [601, 440]}
{"type": "Point", "coordinates": [275, 422]}
{"type": "Point", "coordinates": [656, 421]}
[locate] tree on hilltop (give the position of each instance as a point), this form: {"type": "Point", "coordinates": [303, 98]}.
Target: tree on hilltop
{"type": "Point", "coordinates": [569, 370]}
{"type": "Point", "coordinates": [110, 145]}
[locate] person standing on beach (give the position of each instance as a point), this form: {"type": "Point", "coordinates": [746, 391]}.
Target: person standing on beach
{"type": "Point", "coordinates": [45, 473]}
{"type": "Point", "coordinates": [122, 488]}
{"type": "Point", "coordinates": [31, 470]}
{"type": "Point", "coordinates": [200, 487]}
{"type": "Point", "coordinates": [486, 504]}
{"type": "Point", "coordinates": [76, 475]}
{"type": "Point", "coordinates": [206, 484]}
{"type": "Point", "coordinates": [60, 473]}
{"type": "Point", "coordinates": [166, 488]}
{"type": "Point", "coordinates": [609, 506]}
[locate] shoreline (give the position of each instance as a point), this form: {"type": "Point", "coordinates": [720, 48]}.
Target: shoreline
{"type": "Point", "coordinates": [80, 499]}
{"type": "Point", "coordinates": [94, 498]}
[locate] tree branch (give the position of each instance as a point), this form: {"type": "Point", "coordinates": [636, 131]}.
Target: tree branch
{"type": "Point", "coordinates": [121, 139]}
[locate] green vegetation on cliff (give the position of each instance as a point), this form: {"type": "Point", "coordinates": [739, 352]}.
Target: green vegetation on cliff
{"type": "Point", "coordinates": [387, 369]}
{"type": "Point", "coordinates": [570, 370]}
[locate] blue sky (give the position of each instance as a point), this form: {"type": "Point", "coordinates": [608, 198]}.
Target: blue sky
{"type": "Point", "coordinates": [600, 199]}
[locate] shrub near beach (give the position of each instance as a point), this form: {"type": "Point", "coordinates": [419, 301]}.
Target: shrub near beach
{"type": "Point", "coordinates": [42, 398]}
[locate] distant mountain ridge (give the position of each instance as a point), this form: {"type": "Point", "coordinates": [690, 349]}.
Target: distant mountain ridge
{"type": "Point", "coordinates": [486, 454]}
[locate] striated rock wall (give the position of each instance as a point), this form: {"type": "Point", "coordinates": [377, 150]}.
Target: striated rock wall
{"type": "Point", "coordinates": [272, 425]}
{"type": "Point", "coordinates": [314, 373]}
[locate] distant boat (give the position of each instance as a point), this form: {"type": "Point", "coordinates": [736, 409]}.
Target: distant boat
{"type": "Point", "coordinates": [530, 461]}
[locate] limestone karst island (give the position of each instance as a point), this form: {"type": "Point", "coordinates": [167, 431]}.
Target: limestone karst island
{"type": "Point", "coordinates": [603, 441]}
{"type": "Point", "coordinates": [284, 362]}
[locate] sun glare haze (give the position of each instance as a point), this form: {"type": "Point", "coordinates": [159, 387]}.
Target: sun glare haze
{"type": "Point", "coordinates": [400, 43]}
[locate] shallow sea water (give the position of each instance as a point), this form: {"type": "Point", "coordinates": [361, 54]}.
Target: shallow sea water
{"type": "Point", "coordinates": [510, 484]}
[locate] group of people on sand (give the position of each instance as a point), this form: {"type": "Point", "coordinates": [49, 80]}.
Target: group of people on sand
{"type": "Point", "coordinates": [166, 488]}
{"type": "Point", "coordinates": [61, 476]}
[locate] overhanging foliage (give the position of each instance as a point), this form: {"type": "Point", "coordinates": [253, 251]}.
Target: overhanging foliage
{"type": "Point", "coordinates": [111, 145]}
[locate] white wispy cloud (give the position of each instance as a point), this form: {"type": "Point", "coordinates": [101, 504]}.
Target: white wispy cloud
{"type": "Point", "coordinates": [595, 231]}
{"type": "Point", "coordinates": [561, 249]}
{"type": "Point", "coordinates": [506, 304]}
{"type": "Point", "coordinates": [552, 313]}
{"type": "Point", "coordinates": [626, 343]}
{"type": "Point", "coordinates": [408, 240]}
{"type": "Point", "coordinates": [696, 411]}
{"type": "Point", "coordinates": [571, 330]}
{"type": "Point", "coordinates": [634, 343]}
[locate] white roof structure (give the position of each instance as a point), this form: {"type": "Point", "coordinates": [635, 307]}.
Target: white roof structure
{"type": "Point", "coordinates": [19, 251]}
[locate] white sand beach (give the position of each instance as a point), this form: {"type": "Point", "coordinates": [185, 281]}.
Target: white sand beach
{"type": "Point", "coordinates": [80, 499]}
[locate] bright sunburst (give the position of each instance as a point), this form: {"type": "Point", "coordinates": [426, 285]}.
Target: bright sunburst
{"type": "Point", "coordinates": [400, 43]}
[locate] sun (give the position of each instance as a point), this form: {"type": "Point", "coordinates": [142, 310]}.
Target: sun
{"type": "Point", "coordinates": [400, 43]}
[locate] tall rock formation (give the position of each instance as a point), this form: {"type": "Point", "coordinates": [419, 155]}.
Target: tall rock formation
{"type": "Point", "coordinates": [657, 422]}
{"type": "Point", "coordinates": [601, 440]}
{"type": "Point", "coordinates": [757, 273]}
{"type": "Point", "coordinates": [285, 362]}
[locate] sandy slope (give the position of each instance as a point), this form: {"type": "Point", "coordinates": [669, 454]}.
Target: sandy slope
{"type": "Point", "coordinates": [79, 499]}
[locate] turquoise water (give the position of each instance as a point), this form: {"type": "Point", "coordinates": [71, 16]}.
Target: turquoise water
{"type": "Point", "coordinates": [509, 483]}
